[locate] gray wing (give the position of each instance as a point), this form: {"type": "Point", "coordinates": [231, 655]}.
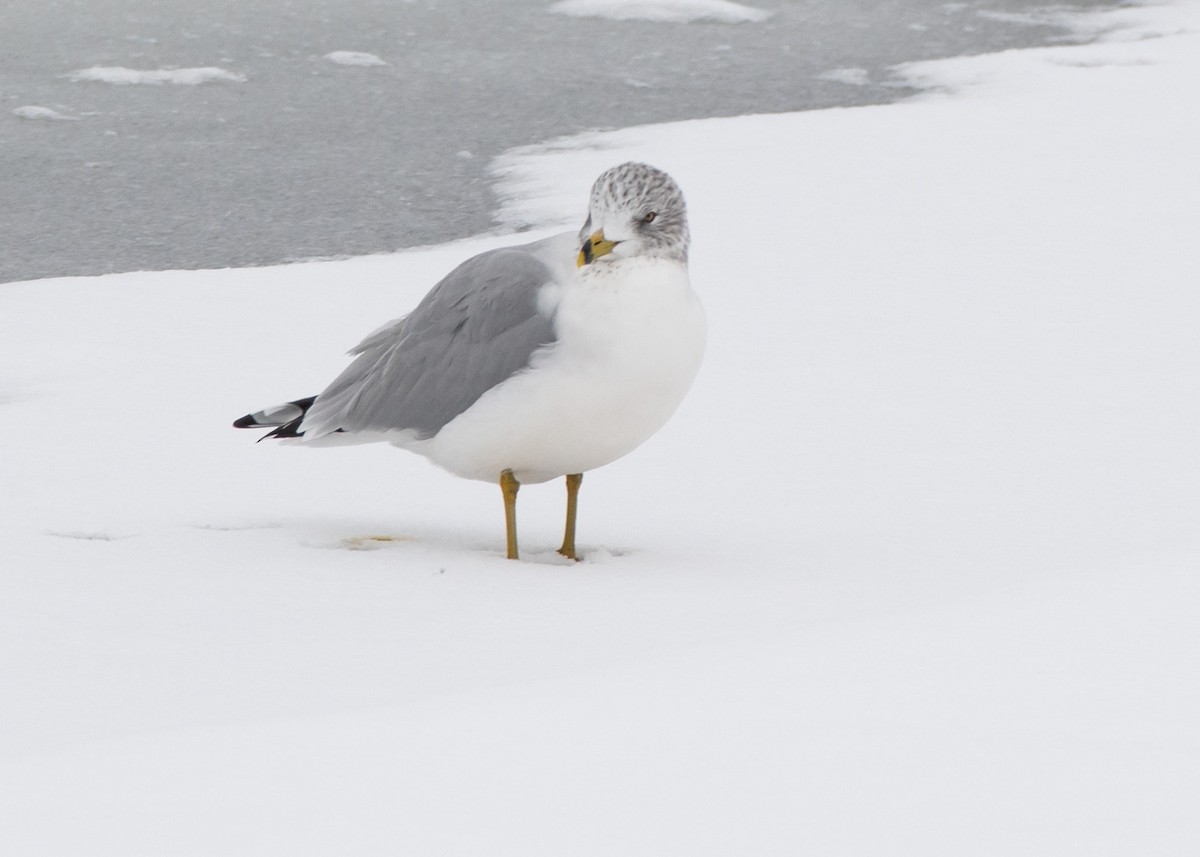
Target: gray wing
{"type": "Point", "coordinates": [476, 328]}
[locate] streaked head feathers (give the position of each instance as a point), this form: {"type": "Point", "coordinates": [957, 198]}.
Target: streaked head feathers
{"type": "Point", "coordinates": [639, 209]}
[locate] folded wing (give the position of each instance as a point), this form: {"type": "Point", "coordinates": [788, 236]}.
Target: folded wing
{"type": "Point", "coordinates": [481, 324]}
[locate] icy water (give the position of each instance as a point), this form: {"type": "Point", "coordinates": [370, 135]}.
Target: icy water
{"type": "Point", "coordinates": [310, 158]}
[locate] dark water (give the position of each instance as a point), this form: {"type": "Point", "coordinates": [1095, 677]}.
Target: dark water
{"type": "Point", "coordinates": [309, 158]}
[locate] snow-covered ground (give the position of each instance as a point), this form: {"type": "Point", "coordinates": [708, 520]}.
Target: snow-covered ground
{"type": "Point", "coordinates": [912, 572]}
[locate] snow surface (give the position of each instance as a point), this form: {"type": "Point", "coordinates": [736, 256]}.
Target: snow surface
{"type": "Point", "coordinates": [912, 572]}
{"type": "Point", "coordinates": [662, 11]}
{"type": "Point", "coordinates": [181, 76]}
{"type": "Point", "coordinates": [354, 58]}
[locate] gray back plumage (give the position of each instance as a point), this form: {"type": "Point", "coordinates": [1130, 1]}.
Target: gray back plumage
{"type": "Point", "coordinates": [476, 328]}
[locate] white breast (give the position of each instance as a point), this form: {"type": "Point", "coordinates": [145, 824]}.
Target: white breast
{"type": "Point", "coordinates": [630, 339]}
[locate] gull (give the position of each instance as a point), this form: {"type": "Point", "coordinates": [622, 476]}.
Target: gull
{"type": "Point", "coordinates": [531, 362]}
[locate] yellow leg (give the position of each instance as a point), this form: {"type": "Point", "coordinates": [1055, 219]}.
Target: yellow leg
{"type": "Point", "coordinates": [509, 486]}
{"type": "Point", "coordinates": [574, 480]}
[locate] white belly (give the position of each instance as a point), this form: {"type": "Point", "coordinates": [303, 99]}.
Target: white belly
{"type": "Point", "coordinates": [630, 339]}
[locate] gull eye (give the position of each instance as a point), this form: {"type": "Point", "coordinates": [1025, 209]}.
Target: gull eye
{"type": "Point", "coordinates": [649, 216]}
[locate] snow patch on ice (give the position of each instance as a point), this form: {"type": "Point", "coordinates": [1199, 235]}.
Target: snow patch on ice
{"type": "Point", "coordinates": [850, 76]}
{"type": "Point", "coordinates": [662, 11]}
{"type": "Point", "coordinates": [32, 111]}
{"type": "Point", "coordinates": [1082, 25]}
{"type": "Point", "coordinates": [1074, 22]}
{"type": "Point", "coordinates": [358, 58]}
{"type": "Point", "coordinates": [181, 76]}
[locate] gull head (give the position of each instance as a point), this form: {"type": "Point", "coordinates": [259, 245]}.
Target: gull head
{"type": "Point", "coordinates": [635, 210]}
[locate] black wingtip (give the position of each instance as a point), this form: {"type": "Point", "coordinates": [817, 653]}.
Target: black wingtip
{"type": "Point", "coordinates": [285, 418]}
{"type": "Point", "coordinates": [286, 431]}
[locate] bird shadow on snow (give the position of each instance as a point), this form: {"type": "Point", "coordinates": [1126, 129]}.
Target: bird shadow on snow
{"type": "Point", "coordinates": [461, 545]}
{"type": "Point", "coordinates": [88, 535]}
{"type": "Point", "coordinates": [364, 536]}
